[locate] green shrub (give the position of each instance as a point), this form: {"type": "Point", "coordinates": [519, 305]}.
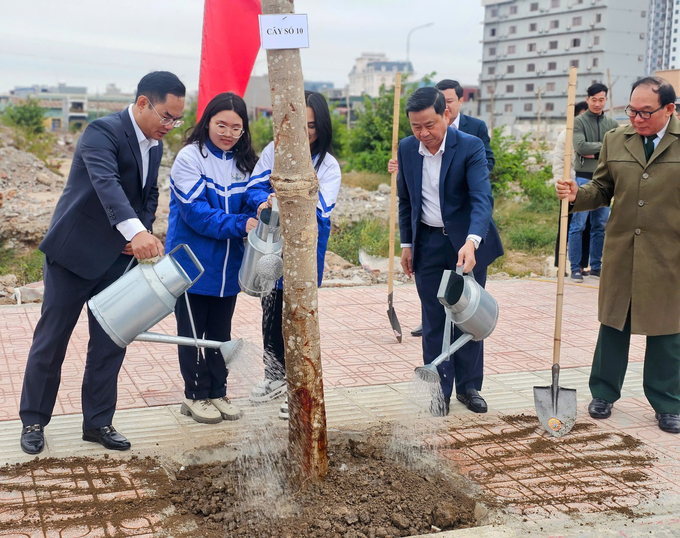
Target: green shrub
{"type": "Point", "coordinates": [26, 266]}
{"type": "Point", "coordinates": [28, 116]}
{"type": "Point", "coordinates": [261, 133]}
{"type": "Point", "coordinates": [371, 235]}
{"type": "Point", "coordinates": [531, 237]}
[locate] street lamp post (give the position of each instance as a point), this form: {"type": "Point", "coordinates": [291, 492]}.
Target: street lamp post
{"type": "Point", "coordinates": [408, 37]}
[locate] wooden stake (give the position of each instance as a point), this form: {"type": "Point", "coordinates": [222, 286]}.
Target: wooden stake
{"type": "Point", "coordinates": [538, 120]}
{"type": "Point", "coordinates": [564, 211]}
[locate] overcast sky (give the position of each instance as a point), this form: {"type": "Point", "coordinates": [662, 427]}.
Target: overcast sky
{"type": "Point", "coordinates": [95, 42]}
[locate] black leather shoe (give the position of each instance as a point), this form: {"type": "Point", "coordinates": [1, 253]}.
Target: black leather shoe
{"type": "Point", "coordinates": [108, 437]}
{"type": "Point", "coordinates": [32, 439]}
{"type": "Point", "coordinates": [439, 407]}
{"type": "Point", "coordinates": [600, 408]}
{"type": "Point", "coordinates": [669, 422]}
{"type": "Point", "coordinates": [473, 401]}
{"type": "Point", "coordinates": [418, 331]}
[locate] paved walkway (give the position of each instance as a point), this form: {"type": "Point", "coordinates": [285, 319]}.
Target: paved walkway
{"type": "Point", "coordinates": [612, 471]}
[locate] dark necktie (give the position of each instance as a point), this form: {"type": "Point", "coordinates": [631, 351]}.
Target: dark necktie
{"type": "Point", "coordinates": [649, 146]}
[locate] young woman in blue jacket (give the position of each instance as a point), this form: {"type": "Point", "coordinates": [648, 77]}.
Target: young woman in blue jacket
{"type": "Point", "coordinates": [208, 212]}
{"type": "Point", "coordinates": [327, 169]}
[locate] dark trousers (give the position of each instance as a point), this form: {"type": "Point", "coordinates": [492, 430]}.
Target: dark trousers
{"type": "Point", "coordinates": [585, 242]}
{"type": "Point", "coordinates": [204, 371]}
{"type": "Point", "coordinates": [65, 295]}
{"type": "Point", "coordinates": [661, 374]}
{"type": "Point", "coordinates": [466, 367]}
{"type": "Point", "coordinates": [272, 336]}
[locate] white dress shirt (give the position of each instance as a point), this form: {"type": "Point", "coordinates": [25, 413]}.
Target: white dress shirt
{"type": "Point", "coordinates": [455, 123]}
{"type": "Point", "coordinates": [131, 227]}
{"type": "Point", "coordinates": [431, 208]}
{"type": "Point", "coordinates": [660, 134]}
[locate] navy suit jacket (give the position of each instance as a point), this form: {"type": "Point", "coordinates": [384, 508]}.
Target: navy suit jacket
{"type": "Point", "coordinates": [476, 127]}
{"type": "Point", "coordinates": [104, 188]}
{"type": "Point", "coordinates": [464, 195]}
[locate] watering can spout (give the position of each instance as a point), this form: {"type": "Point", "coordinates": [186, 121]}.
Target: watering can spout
{"type": "Point", "coordinates": [231, 350]}
{"type": "Point", "coordinates": [428, 373]}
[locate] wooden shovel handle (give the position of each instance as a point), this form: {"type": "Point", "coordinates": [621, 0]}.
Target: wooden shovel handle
{"type": "Point", "coordinates": [564, 211]}
{"type": "Point", "coordinates": [393, 187]}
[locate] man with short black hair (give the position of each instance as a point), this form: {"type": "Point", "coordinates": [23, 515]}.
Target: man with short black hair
{"type": "Point", "coordinates": [445, 207]}
{"type": "Point", "coordinates": [640, 284]}
{"type": "Point", "coordinates": [589, 131]}
{"type": "Point", "coordinates": [453, 93]}
{"type": "Point", "coordinates": [103, 218]}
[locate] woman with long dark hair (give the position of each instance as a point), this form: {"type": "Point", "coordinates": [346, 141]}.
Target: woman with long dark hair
{"type": "Point", "coordinates": [320, 133]}
{"type": "Point", "coordinates": [208, 212]}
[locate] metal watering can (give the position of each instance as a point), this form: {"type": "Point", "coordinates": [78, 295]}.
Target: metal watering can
{"type": "Point", "coordinates": [470, 307]}
{"type": "Point", "coordinates": [145, 295]}
{"type": "Point", "coordinates": [262, 264]}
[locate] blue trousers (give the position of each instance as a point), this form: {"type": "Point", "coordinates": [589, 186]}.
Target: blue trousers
{"type": "Point", "coordinates": [598, 220]}
{"type": "Point", "coordinates": [465, 369]}
{"type": "Point", "coordinates": [65, 295]}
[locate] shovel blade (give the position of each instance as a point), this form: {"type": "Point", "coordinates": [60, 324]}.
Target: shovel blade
{"type": "Point", "coordinates": [392, 316]}
{"type": "Point", "coordinates": [556, 409]}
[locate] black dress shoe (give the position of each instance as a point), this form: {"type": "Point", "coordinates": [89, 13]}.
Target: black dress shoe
{"type": "Point", "coordinates": [600, 408]}
{"type": "Point", "coordinates": [108, 437]}
{"type": "Point", "coordinates": [439, 406]}
{"type": "Point", "coordinates": [669, 422]}
{"type": "Point", "coordinates": [473, 401]}
{"type": "Point", "coordinates": [418, 331]}
{"type": "Point", "coordinates": [32, 439]}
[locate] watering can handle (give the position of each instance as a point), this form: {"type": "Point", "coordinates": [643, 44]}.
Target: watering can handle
{"type": "Point", "coordinates": [459, 269]}
{"type": "Point", "coordinates": [191, 255]}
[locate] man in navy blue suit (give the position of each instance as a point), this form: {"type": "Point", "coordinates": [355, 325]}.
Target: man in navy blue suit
{"type": "Point", "coordinates": [453, 93]}
{"type": "Point", "coordinates": [103, 218]}
{"type": "Point", "coordinates": [445, 207]}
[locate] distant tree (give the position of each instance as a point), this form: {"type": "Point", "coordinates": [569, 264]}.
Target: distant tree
{"type": "Point", "coordinates": [369, 145]}
{"type": "Point", "coordinates": [261, 133]}
{"type": "Point", "coordinates": [28, 116]}
{"type": "Point", "coordinates": [174, 140]}
{"type": "Point", "coordinates": [340, 134]}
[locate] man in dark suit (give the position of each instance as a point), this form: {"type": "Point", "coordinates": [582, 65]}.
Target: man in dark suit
{"type": "Point", "coordinates": [445, 207]}
{"type": "Point", "coordinates": [453, 93]}
{"type": "Point", "coordinates": [103, 218]}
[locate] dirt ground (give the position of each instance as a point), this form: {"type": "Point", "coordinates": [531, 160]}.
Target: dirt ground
{"type": "Point", "coordinates": [372, 490]}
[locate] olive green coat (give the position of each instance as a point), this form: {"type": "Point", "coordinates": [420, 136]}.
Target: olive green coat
{"type": "Point", "coordinates": [641, 256]}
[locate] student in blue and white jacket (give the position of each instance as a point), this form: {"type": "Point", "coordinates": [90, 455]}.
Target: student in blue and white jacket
{"type": "Point", "coordinates": [327, 169]}
{"type": "Point", "coordinates": [208, 212]}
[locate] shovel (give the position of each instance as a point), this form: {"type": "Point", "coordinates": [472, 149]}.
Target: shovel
{"type": "Point", "coordinates": [391, 314]}
{"type": "Point", "coordinates": [556, 406]}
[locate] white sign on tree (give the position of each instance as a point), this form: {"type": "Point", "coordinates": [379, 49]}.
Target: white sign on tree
{"type": "Point", "coordinates": [284, 31]}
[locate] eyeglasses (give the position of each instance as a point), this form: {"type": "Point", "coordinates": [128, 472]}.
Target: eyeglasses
{"type": "Point", "coordinates": [631, 113]}
{"type": "Point", "coordinates": [167, 121]}
{"type": "Point", "coordinates": [225, 130]}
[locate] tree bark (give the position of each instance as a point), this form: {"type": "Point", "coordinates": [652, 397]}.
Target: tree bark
{"type": "Point", "coordinates": [296, 187]}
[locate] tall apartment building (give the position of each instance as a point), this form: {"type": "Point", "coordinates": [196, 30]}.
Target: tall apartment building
{"type": "Point", "coordinates": [373, 70]}
{"type": "Point", "coordinates": [529, 45]}
{"type": "Point", "coordinates": [662, 32]}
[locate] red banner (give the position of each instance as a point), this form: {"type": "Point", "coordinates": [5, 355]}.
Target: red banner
{"type": "Point", "coordinates": [231, 40]}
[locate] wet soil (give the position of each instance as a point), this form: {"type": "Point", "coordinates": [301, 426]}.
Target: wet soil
{"type": "Point", "coordinates": [384, 482]}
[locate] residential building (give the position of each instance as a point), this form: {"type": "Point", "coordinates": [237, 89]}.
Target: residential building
{"type": "Point", "coordinates": [662, 32]}
{"type": "Point", "coordinates": [529, 46]}
{"type": "Point", "coordinates": [373, 70]}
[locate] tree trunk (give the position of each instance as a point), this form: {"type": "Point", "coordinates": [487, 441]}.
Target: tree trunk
{"type": "Point", "coordinates": [296, 186]}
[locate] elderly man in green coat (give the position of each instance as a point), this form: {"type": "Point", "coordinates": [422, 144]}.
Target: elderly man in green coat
{"type": "Point", "coordinates": [639, 169]}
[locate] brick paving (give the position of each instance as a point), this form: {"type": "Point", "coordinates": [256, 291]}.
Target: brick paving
{"type": "Point", "coordinates": [622, 467]}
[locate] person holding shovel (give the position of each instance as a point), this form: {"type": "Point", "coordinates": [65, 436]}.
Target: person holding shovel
{"type": "Point", "coordinates": [208, 212]}
{"type": "Point", "coordinates": [640, 281]}
{"type": "Point", "coordinates": [320, 131]}
{"type": "Point", "coordinates": [102, 219]}
{"type": "Point", "coordinates": [445, 207]}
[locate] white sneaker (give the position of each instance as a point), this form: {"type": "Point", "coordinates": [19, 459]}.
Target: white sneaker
{"type": "Point", "coordinates": [283, 410]}
{"type": "Point", "coordinates": [227, 409]}
{"type": "Point", "coordinates": [268, 390]}
{"type": "Point", "coordinates": [201, 411]}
